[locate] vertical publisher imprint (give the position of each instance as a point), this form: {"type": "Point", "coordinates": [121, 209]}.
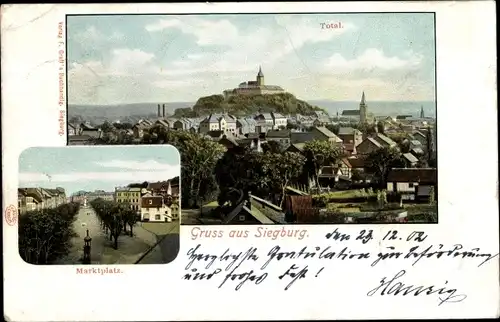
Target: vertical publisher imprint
{"type": "Point", "coordinates": [61, 77]}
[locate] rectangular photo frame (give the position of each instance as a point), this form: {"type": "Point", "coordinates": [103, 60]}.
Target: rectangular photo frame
{"type": "Point", "coordinates": [295, 147]}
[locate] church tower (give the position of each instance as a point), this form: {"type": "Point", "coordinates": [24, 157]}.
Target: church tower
{"type": "Point", "coordinates": [362, 109]}
{"type": "Point", "coordinates": [422, 112]}
{"type": "Point", "coordinates": [169, 188]}
{"type": "Point", "coordinates": [260, 77]}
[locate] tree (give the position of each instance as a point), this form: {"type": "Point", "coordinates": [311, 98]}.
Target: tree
{"type": "Point", "coordinates": [281, 169]}
{"type": "Point", "coordinates": [318, 154]}
{"type": "Point", "coordinates": [110, 213]}
{"type": "Point", "coordinates": [122, 126]}
{"type": "Point", "coordinates": [75, 119]}
{"type": "Point", "coordinates": [365, 127]}
{"type": "Point", "coordinates": [116, 228]}
{"type": "Point", "coordinates": [107, 127]}
{"type": "Point", "coordinates": [334, 128]}
{"type": "Point", "coordinates": [45, 235]}
{"type": "Point", "coordinates": [184, 112]}
{"type": "Point", "coordinates": [139, 185]}
{"type": "Point", "coordinates": [381, 161]}
{"type": "Point", "coordinates": [241, 169]}
{"type": "Point", "coordinates": [129, 218]}
{"type": "Point", "coordinates": [432, 196]}
{"type": "Point", "coordinates": [272, 147]}
{"type": "Point", "coordinates": [430, 154]}
{"type": "Point", "coordinates": [422, 163]}
{"type": "Point", "coordinates": [198, 159]}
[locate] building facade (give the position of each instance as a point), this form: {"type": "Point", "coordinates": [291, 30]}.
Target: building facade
{"type": "Point", "coordinates": [31, 199]}
{"type": "Point", "coordinates": [129, 196]}
{"type": "Point", "coordinates": [154, 209]}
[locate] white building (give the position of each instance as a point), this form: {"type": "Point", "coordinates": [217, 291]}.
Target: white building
{"type": "Point", "coordinates": [279, 120]}
{"type": "Point", "coordinates": [412, 183]}
{"type": "Point", "coordinates": [154, 209]}
{"type": "Point", "coordinates": [217, 122]}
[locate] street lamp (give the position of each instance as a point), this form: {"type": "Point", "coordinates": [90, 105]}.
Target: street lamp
{"type": "Point", "coordinates": [86, 249]}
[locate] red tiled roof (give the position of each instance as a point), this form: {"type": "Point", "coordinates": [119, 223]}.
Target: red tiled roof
{"type": "Point", "coordinates": [346, 162]}
{"type": "Point", "coordinates": [152, 202]}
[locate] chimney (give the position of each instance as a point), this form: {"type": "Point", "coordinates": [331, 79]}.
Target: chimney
{"type": "Point", "coordinates": [159, 110]}
{"type": "Point", "coordinates": [163, 110]}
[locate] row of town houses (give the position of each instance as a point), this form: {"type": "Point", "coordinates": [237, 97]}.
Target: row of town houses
{"type": "Point", "coordinates": [158, 202]}
{"type": "Point", "coordinates": [264, 122]}
{"type": "Point", "coordinates": [215, 124]}
{"type": "Point", "coordinates": [31, 199]}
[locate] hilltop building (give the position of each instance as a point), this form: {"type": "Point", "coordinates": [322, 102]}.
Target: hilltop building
{"type": "Point", "coordinates": [358, 115]}
{"type": "Point", "coordinates": [256, 87]}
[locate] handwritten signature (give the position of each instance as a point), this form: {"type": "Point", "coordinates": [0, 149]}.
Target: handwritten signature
{"type": "Point", "coordinates": [394, 287]}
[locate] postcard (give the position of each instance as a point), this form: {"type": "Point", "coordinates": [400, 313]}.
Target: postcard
{"type": "Point", "coordinates": [251, 153]}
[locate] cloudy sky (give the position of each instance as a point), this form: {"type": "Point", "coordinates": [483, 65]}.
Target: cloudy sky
{"type": "Point", "coordinates": [92, 168]}
{"type": "Point", "coordinates": [138, 59]}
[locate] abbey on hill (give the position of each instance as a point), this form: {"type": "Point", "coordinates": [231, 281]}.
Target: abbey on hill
{"type": "Point", "coordinates": [248, 98]}
{"type": "Point", "coordinates": [256, 87]}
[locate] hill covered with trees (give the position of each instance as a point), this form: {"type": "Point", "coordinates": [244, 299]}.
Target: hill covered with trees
{"type": "Point", "coordinates": [241, 105]}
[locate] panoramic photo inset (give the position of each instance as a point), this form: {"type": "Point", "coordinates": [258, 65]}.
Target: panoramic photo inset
{"type": "Point", "coordinates": [279, 118]}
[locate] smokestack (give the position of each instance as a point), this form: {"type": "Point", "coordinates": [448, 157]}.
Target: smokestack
{"type": "Point", "coordinates": [159, 110]}
{"type": "Point", "coordinates": [163, 110]}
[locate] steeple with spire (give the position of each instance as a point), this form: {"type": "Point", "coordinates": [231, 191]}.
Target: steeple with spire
{"type": "Point", "coordinates": [260, 77]}
{"type": "Point", "coordinates": [169, 188]}
{"type": "Point", "coordinates": [422, 112]}
{"type": "Point", "coordinates": [362, 109]}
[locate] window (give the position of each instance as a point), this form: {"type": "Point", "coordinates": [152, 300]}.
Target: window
{"type": "Point", "coordinates": [241, 217]}
{"type": "Point", "coordinates": [158, 217]}
{"type": "Point", "coordinates": [410, 185]}
{"type": "Point", "coordinates": [157, 208]}
{"type": "Point", "coordinates": [150, 202]}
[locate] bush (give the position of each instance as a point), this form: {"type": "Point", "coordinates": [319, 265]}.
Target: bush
{"type": "Point", "coordinates": [323, 199]}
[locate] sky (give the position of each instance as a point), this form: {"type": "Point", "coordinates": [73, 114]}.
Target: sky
{"type": "Point", "coordinates": [96, 168]}
{"type": "Point", "coordinates": [178, 58]}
